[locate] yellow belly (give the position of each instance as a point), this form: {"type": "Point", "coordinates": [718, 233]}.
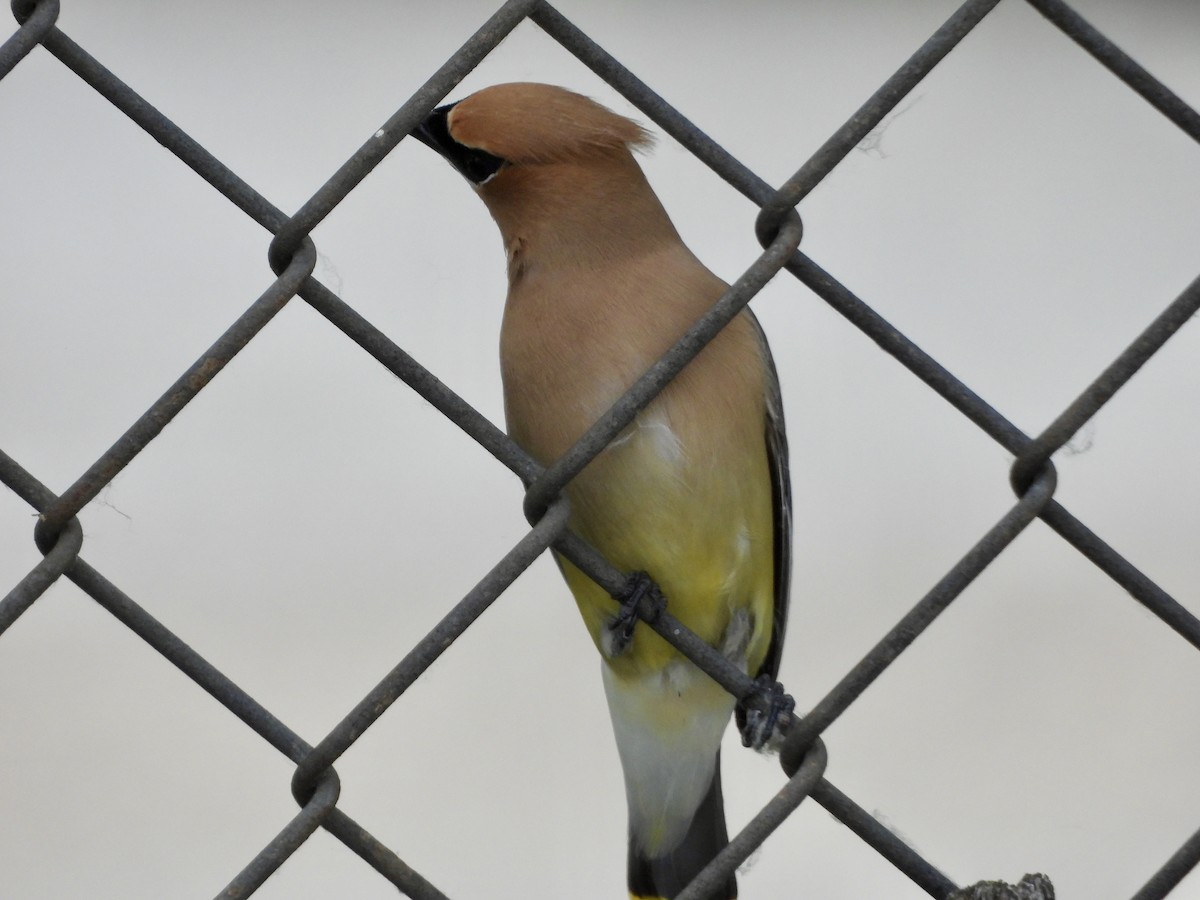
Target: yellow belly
{"type": "Point", "coordinates": [695, 515]}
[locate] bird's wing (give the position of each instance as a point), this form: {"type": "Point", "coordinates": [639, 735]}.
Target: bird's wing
{"type": "Point", "coordinates": [781, 497]}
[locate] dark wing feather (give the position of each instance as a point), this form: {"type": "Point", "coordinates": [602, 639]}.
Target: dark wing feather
{"type": "Point", "coordinates": [781, 495]}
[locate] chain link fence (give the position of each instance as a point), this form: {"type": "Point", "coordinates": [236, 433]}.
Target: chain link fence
{"type": "Point", "coordinates": [293, 258]}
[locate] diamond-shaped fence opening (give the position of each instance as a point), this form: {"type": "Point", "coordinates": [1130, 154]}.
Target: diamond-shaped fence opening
{"type": "Point", "coordinates": [331, 478]}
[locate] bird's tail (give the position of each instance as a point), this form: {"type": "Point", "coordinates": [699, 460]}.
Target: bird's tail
{"type": "Point", "coordinates": [662, 877]}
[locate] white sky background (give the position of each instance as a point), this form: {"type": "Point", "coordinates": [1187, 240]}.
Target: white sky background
{"type": "Point", "coordinates": [308, 518]}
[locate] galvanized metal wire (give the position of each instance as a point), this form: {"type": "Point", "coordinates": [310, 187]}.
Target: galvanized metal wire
{"type": "Point", "coordinates": [292, 258]}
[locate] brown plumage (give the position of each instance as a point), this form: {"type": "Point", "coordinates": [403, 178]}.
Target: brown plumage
{"type": "Point", "coordinates": [694, 491]}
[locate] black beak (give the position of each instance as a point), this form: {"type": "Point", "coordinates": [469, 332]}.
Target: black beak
{"type": "Point", "coordinates": [477, 166]}
{"type": "Point", "coordinates": [433, 132]}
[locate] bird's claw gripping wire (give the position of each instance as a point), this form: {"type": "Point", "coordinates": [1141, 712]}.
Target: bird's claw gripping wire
{"type": "Point", "coordinates": [638, 587]}
{"type": "Point", "coordinates": [758, 721]}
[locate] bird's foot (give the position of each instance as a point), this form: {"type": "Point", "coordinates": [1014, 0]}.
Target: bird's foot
{"type": "Point", "coordinates": [757, 720]}
{"type": "Point", "coordinates": [639, 588]}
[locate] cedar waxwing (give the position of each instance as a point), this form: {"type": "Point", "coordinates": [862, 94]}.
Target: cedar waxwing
{"type": "Point", "coordinates": [694, 492]}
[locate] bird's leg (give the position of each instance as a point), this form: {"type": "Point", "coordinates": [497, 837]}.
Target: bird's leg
{"type": "Point", "coordinates": [760, 710]}
{"type": "Point", "coordinates": [638, 587]}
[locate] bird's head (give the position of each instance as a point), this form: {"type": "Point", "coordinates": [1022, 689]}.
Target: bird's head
{"type": "Point", "coordinates": [525, 124]}
{"type": "Point", "coordinates": [554, 167]}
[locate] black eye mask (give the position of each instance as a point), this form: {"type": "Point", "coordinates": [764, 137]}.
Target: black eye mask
{"type": "Point", "coordinates": [477, 166]}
